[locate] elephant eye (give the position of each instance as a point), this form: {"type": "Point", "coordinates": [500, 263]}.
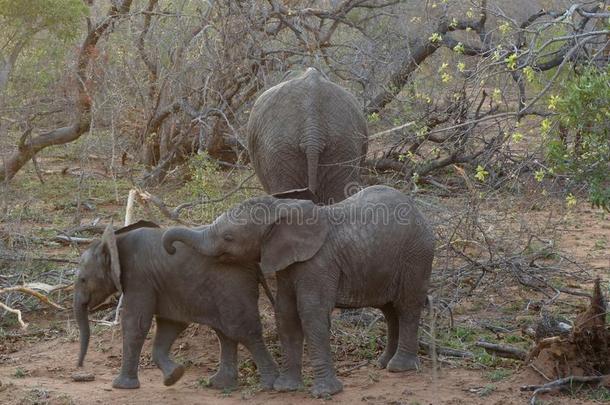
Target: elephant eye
{"type": "Point", "coordinates": [228, 238]}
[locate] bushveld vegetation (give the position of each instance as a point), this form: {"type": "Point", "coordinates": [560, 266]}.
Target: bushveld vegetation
{"type": "Point", "coordinates": [494, 115]}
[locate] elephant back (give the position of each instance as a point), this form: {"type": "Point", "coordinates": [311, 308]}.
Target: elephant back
{"type": "Point", "coordinates": [302, 122]}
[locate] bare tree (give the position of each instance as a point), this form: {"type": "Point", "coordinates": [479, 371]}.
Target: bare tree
{"type": "Point", "coordinates": [28, 145]}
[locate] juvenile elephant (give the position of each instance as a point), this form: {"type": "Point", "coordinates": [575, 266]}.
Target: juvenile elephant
{"type": "Point", "coordinates": [177, 289]}
{"type": "Point", "coordinates": [308, 132]}
{"type": "Point", "coordinates": [374, 249]}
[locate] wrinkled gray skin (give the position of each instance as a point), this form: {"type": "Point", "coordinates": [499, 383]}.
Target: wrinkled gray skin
{"type": "Point", "coordinates": [177, 289]}
{"type": "Point", "coordinates": [347, 255]}
{"type": "Point", "coordinates": [308, 132]}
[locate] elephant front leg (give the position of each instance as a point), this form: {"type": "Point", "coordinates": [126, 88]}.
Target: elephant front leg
{"type": "Point", "coordinates": [226, 376]}
{"type": "Point", "coordinates": [136, 324]}
{"type": "Point", "coordinates": [316, 324]}
{"type": "Point", "coordinates": [167, 332]}
{"type": "Point", "coordinates": [291, 340]}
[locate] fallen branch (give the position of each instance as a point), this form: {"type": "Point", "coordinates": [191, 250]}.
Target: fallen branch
{"type": "Point", "coordinates": [503, 351]}
{"type": "Point", "coordinates": [16, 312]}
{"type": "Point", "coordinates": [96, 229]}
{"type": "Point", "coordinates": [68, 240]}
{"type": "Point", "coordinates": [561, 383]}
{"type": "Point", "coordinates": [445, 351]}
{"type": "Point", "coordinates": [42, 259]}
{"type": "Point", "coordinates": [27, 289]}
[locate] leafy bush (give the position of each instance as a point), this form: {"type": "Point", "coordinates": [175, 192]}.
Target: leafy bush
{"type": "Point", "coordinates": [579, 142]}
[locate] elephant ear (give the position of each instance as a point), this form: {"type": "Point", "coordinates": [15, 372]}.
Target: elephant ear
{"type": "Point", "coordinates": [136, 225]}
{"type": "Point", "coordinates": [111, 250]}
{"type": "Point", "coordinates": [297, 193]}
{"type": "Point", "coordinates": [296, 236]}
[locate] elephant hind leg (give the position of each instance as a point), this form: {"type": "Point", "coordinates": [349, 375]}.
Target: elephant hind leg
{"type": "Point", "coordinates": [408, 314]}
{"type": "Point", "coordinates": [167, 332]}
{"type": "Point", "coordinates": [291, 337]}
{"type": "Point", "coordinates": [391, 319]}
{"type": "Point", "coordinates": [226, 376]}
{"type": "Point", "coordinates": [264, 362]}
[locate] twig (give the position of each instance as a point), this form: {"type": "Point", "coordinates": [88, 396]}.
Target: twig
{"type": "Point", "coordinates": [389, 131]}
{"type": "Point", "coordinates": [536, 369]}
{"type": "Point", "coordinates": [349, 370]}
{"type": "Point", "coordinates": [174, 214]}
{"type": "Point", "coordinates": [503, 351]}
{"type": "Point", "coordinates": [561, 383]}
{"type": "Point", "coordinates": [181, 207]}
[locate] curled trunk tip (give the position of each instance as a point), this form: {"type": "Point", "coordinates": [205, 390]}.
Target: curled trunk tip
{"type": "Point", "coordinates": [181, 234]}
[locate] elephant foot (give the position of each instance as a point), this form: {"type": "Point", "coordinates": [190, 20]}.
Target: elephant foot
{"type": "Point", "coordinates": [287, 383]}
{"type": "Point", "coordinates": [173, 375]}
{"type": "Point", "coordinates": [222, 380]}
{"type": "Point", "coordinates": [384, 359]}
{"type": "Point", "coordinates": [268, 379]}
{"type": "Point", "coordinates": [126, 383]}
{"type": "Point", "coordinates": [404, 362]}
{"type": "Point", "coordinates": [326, 387]}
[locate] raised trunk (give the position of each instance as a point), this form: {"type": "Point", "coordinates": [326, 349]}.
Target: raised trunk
{"type": "Point", "coordinates": [192, 238]}
{"type": "Point", "coordinates": [81, 313]}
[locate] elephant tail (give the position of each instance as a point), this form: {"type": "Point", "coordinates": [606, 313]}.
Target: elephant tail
{"type": "Point", "coordinates": [263, 282]}
{"type": "Point", "coordinates": [313, 156]}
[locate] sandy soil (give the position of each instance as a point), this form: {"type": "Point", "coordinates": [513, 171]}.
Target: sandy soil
{"type": "Point", "coordinates": [45, 370]}
{"type": "Point", "coordinates": [36, 369]}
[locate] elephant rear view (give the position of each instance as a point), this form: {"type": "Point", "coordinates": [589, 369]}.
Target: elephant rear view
{"type": "Point", "coordinates": [308, 132]}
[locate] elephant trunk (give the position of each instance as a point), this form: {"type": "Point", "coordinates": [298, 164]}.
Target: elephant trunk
{"type": "Point", "coordinates": [81, 313]}
{"type": "Point", "coordinates": [192, 238]}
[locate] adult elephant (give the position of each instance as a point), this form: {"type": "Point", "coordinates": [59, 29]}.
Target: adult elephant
{"type": "Point", "coordinates": [373, 249]}
{"type": "Point", "coordinates": [176, 289]}
{"type": "Point", "coordinates": [308, 132]}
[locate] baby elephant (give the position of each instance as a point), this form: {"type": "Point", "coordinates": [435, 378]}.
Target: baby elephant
{"type": "Point", "coordinates": [373, 249]}
{"type": "Point", "coordinates": [177, 289]}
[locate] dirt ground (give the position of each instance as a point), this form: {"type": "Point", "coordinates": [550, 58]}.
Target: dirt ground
{"type": "Point", "coordinates": [45, 369]}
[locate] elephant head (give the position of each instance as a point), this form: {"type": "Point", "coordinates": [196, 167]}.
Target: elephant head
{"type": "Point", "coordinates": [274, 232]}
{"type": "Point", "coordinates": [98, 277]}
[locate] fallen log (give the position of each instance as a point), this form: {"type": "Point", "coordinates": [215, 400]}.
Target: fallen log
{"type": "Point", "coordinates": [445, 351]}
{"type": "Point", "coordinates": [503, 351]}
{"type": "Point", "coordinates": [68, 240]}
